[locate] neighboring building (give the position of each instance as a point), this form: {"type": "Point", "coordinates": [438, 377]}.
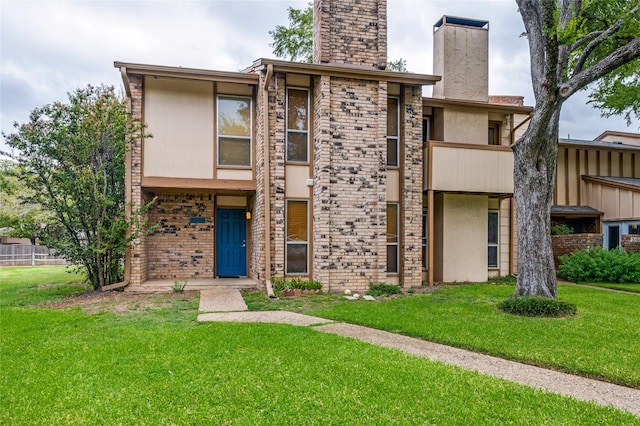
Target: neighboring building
{"type": "Point", "coordinates": [337, 170]}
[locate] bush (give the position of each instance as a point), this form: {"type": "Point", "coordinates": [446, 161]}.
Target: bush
{"type": "Point", "coordinates": [383, 289]}
{"type": "Point", "coordinates": [536, 306]}
{"type": "Point", "coordinates": [505, 279]}
{"type": "Point", "coordinates": [598, 265]}
{"type": "Point", "coordinates": [280, 284]}
{"type": "Point", "coordinates": [561, 229]}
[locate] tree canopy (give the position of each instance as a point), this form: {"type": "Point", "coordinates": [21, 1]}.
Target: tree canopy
{"type": "Point", "coordinates": [71, 158]}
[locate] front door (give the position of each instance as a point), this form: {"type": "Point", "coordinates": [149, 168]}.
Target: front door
{"type": "Point", "coordinates": [231, 243]}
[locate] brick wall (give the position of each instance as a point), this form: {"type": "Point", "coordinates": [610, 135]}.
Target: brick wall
{"type": "Point", "coordinates": [631, 243]}
{"type": "Point", "coordinates": [567, 244]}
{"type": "Point", "coordinates": [178, 248]}
{"type": "Point", "coordinates": [139, 260]}
{"type": "Point", "coordinates": [257, 255]}
{"type": "Point", "coordinates": [351, 32]}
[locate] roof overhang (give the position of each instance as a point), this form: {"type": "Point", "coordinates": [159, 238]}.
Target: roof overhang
{"type": "Point", "coordinates": [575, 211]}
{"type": "Point", "coordinates": [346, 71]}
{"type": "Point", "coordinates": [180, 72]}
{"type": "Point", "coordinates": [597, 144]}
{"type": "Point", "coordinates": [486, 106]}
{"type": "Point", "coordinates": [629, 184]}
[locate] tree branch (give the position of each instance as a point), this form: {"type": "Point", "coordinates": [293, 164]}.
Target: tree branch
{"type": "Point", "coordinates": [600, 38]}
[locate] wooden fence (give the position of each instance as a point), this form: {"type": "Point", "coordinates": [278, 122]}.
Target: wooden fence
{"type": "Point", "coordinates": [27, 255]}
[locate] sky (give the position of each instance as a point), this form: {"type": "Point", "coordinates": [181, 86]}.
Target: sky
{"type": "Point", "coordinates": [50, 47]}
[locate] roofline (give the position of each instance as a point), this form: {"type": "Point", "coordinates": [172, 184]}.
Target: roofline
{"type": "Point", "coordinates": [598, 144]}
{"type": "Point", "coordinates": [616, 133]}
{"type": "Point", "coordinates": [598, 179]}
{"type": "Point", "coordinates": [191, 73]}
{"type": "Point", "coordinates": [441, 102]}
{"type": "Point", "coordinates": [347, 71]}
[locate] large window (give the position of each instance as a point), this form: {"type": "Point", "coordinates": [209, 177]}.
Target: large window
{"type": "Point", "coordinates": [493, 239]}
{"type": "Point", "coordinates": [298, 125]}
{"type": "Point", "coordinates": [393, 238]}
{"type": "Point", "coordinates": [297, 237]}
{"type": "Point", "coordinates": [393, 132]}
{"type": "Point", "coordinates": [234, 131]}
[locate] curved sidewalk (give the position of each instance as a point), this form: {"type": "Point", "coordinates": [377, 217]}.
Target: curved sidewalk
{"type": "Point", "coordinates": [581, 388]}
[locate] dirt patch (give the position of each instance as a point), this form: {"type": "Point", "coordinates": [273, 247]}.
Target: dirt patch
{"type": "Point", "coordinates": [120, 302]}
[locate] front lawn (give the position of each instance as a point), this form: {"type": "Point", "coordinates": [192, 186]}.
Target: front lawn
{"type": "Point", "coordinates": [631, 288]}
{"type": "Point", "coordinates": [602, 341]}
{"type": "Point", "coordinates": [152, 363]}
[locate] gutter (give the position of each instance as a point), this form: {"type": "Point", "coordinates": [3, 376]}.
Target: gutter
{"type": "Point", "coordinates": [267, 195]}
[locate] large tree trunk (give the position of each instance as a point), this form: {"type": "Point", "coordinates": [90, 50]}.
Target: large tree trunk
{"type": "Point", "coordinates": [535, 157]}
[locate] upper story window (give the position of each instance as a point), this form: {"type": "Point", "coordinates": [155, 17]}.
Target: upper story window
{"type": "Point", "coordinates": [426, 130]}
{"type": "Point", "coordinates": [234, 131]}
{"type": "Point", "coordinates": [298, 125]}
{"type": "Point", "coordinates": [393, 132]}
{"type": "Point", "coordinates": [494, 133]}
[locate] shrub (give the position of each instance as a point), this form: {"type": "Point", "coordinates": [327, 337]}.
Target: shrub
{"type": "Point", "coordinates": [505, 279]}
{"type": "Point", "coordinates": [595, 264]}
{"type": "Point", "coordinates": [536, 306]}
{"type": "Point", "coordinates": [561, 229]}
{"type": "Point", "coordinates": [384, 289]}
{"type": "Point", "coordinates": [280, 283]}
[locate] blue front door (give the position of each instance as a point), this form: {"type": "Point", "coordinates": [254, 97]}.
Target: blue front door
{"type": "Point", "coordinates": [231, 243]}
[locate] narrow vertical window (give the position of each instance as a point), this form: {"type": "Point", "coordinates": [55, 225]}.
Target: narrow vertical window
{"type": "Point", "coordinates": [425, 236]}
{"type": "Point", "coordinates": [234, 131]}
{"type": "Point", "coordinates": [494, 133]}
{"type": "Point", "coordinates": [298, 125]}
{"type": "Point", "coordinates": [426, 130]}
{"type": "Point", "coordinates": [393, 238]}
{"type": "Point", "coordinates": [297, 255]}
{"type": "Point", "coordinates": [493, 240]}
{"type": "Point", "coordinates": [393, 131]}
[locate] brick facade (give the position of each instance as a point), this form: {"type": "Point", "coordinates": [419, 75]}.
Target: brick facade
{"type": "Point", "coordinates": [178, 248]}
{"type": "Point", "coordinates": [567, 244]}
{"type": "Point", "coordinates": [631, 243]}
{"type": "Point", "coordinates": [351, 32]}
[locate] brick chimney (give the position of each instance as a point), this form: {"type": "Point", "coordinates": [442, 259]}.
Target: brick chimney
{"type": "Point", "coordinates": [350, 32]}
{"type": "Point", "coordinates": [461, 57]}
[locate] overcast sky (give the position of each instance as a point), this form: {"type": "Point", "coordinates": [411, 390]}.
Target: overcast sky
{"type": "Point", "coordinates": [52, 47]}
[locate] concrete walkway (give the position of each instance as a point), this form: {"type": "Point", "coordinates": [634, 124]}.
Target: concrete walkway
{"type": "Point", "coordinates": [581, 388]}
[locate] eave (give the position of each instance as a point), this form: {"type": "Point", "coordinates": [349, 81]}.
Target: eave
{"type": "Point", "coordinates": [486, 106]}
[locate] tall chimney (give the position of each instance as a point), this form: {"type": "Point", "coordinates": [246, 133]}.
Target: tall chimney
{"type": "Point", "coordinates": [461, 57]}
{"type": "Point", "coordinates": [350, 32]}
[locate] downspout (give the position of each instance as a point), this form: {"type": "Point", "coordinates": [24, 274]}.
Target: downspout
{"type": "Point", "coordinates": [127, 198]}
{"type": "Point", "coordinates": [266, 174]}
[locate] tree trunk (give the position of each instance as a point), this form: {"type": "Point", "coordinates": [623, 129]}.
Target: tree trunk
{"type": "Point", "coordinates": [535, 158]}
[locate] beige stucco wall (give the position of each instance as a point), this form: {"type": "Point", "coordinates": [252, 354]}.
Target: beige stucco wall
{"type": "Point", "coordinates": [460, 56]}
{"type": "Point", "coordinates": [461, 238]}
{"type": "Point", "coordinates": [465, 125]}
{"type": "Point", "coordinates": [471, 170]}
{"type": "Point", "coordinates": [180, 117]}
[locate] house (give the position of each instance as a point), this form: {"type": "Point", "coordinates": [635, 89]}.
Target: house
{"type": "Point", "coordinates": [336, 170]}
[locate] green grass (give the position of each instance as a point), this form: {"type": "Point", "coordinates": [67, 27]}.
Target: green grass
{"type": "Point", "coordinates": [159, 366]}
{"type": "Point", "coordinates": [602, 340]}
{"type": "Point", "coordinates": [631, 288]}
{"type": "Point", "coordinates": [18, 284]}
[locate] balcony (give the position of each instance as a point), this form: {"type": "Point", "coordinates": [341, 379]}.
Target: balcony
{"type": "Point", "coordinates": [467, 168]}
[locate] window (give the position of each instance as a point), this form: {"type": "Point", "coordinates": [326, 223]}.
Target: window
{"type": "Point", "coordinates": [493, 240]}
{"type": "Point", "coordinates": [426, 130]}
{"type": "Point", "coordinates": [494, 133]}
{"type": "Point", "coordinates": [298, 125]}
{"type": "Point", "coordinates": [613, 237]}
{"type": "Point", "coordinates": [297, 237]}
{"type": "Point", "coordinates": [234, 131]}
{"type": "Point", "coordinates": [634, 229]}
{"type": "Point", "coordinates": [393, 121]}
{"type": "Point", "coordinates": [425, 236]}
{"type": "Point", "coordinates": [393, 238]}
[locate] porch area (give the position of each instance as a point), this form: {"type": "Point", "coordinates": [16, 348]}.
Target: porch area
{"type": "Point", "coordinates": [166, 285]}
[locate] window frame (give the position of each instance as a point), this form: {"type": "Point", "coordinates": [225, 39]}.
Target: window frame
{"type": "Point", "coordinates": [497, 243]}
{"type": "Point", "coordinates": [497, 137]}
{"type": "Point", "coordinates": [219, 135]}
{"type": "Point", "coordinates": [295, 242]}
{"type": "Point", "coordinates": [425, 238]}
{"type": "Point", "coordinates": [397, 242]}
{"type": "Point", "coordinates": [288, 130]}
{"type": "Point", "coordinates": [397, 137]}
